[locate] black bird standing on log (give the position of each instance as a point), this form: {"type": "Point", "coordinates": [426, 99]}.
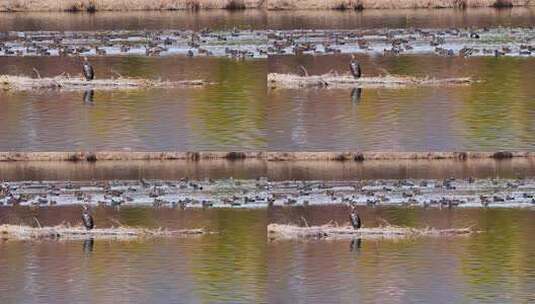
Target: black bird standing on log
{"type": "Point", "coordinates": [355, 218]}
{"type": "Point", "coordinates": [89, 73]}
{"type": "Point", "coordinates": [87, 219]}
{"type": "Point", "coordinates": [354, 66]}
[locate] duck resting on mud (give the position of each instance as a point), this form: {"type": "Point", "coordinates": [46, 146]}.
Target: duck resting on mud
{"type": "Point", "coordinates": [354, 67]}
{"type": "Point", "coordinates": [88, 71]}
{"type": "Point", "coordinates": [354, 218]}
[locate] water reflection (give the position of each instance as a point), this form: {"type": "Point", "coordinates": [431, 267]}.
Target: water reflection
{"type": "Point", "coordinates": [88, 96]}
{"type": "Point", "coordinates": [355, 95]}
{"type": "Point", "coordinates": [355, 245]}
{"type": "Point", "coordinates": [88, 246]}
{"type": "Point", "coordinates": [238, 265]}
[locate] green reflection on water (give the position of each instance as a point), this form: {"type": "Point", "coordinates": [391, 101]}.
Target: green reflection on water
{"type": "Point", "coordinates": [232, 110]}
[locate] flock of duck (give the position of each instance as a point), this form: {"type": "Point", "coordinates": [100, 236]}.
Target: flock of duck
{"type": "Point", "coordinates": [445, 42]}
{"type": "Point", "coordinates": [241, 44]}
{"type": "Point", "coordinates": [185, 193]}
{"type": "Point", "coordinates": [235, 43]}
{"type": "Point", "coordinates": [262, 193]}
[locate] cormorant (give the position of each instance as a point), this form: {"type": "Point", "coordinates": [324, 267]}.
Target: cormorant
{"type": "Point", "coordinates": [89, 73]}
{"type": "Point", "coordinates": [354, 218]}
{"type": "Point", "coordinates": [354, 66]}
{"type": "Point", "coordinates": [87, 219]}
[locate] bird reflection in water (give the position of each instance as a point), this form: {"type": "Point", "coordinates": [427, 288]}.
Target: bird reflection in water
{"type": "Point", "coordinates": [355, 95]}
{"type": "Point", "coordinates": [355, 245]}
{"type": "Point", "coordinates": [88, 96]}
{"type": "Point", "coordinates": [88, 246]}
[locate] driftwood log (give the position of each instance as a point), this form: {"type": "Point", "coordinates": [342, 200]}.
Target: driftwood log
{"type": "Point", "coordinates": [16, 232]}
{"type": "Point", "coordinates": [21, 83]}
{"type": "Point", "coordinates": [275, 80]}
{"type": "Point", "coordinates": [278, 231]}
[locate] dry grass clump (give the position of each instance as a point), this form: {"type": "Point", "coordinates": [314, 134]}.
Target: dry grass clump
{"type": "Point", "coordinates": [348, 5]}
{"type": "Point", "coordinates": [503, 4]}
{"type": "Point", "coordinates": [235, 5]}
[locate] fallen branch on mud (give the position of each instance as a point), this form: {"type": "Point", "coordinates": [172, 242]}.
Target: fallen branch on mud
{"type": "Point", "coordinates": [276, 80]}
{"type": "Point", "coordinates": [279, 231]}
{"type": "Point", "coordinates": [21, 83]}
{"type": "Point", "coordinates": [16, 232]}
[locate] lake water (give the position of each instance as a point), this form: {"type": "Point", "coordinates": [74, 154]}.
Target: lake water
{"type": "Point", "coordinates": [238, 264]}
{"type": "Point", "coordinates": [238, 112]}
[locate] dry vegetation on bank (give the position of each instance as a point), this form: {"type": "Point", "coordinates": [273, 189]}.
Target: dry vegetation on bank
{"type": "Point", "coordinates": [278, 231]}
{"type": "Point", "coordinates": [125, 5]}
{"type": "Point", "coordinates": [16, 232]}
{"type": "Point", "coordinates": [267, 156]}
{"type": "Point", "coordinates": [22, 83]}
{"type": "Point", "coordinates": [275, 80]}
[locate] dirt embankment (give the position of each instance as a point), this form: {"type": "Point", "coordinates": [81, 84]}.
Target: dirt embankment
{"type": "Point", "coordinates": [130, 5]}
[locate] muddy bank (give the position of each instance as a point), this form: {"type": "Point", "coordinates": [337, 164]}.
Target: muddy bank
{"type": "Point", "coordinates": [16, 232]}
{"type": "Point", "coordinates": [269, 156]}
{"type": "Point", "coordinates": [131, 5]}
{"type": "Point", "coordinates": [21, 83]}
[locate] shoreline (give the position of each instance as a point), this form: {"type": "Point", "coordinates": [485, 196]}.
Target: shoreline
{"type": "Point", "coordinates": [82, 156]}
{"type": "Point", "coordinates": [232, 5]}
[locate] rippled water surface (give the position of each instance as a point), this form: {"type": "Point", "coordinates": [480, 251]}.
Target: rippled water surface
{"type": "Point", "coordinates": [238, 112]}
{"type": "Point", "coordinates": [238, 264]}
